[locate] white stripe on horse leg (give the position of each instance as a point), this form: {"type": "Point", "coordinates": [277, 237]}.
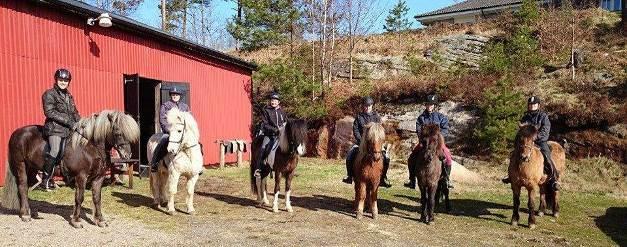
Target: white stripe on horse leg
{"type": "Point", "coordinates": [288, 203]}
{"type": "Point", "coordinates": [275, 205]}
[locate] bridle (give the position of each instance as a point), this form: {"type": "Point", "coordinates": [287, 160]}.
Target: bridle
{"type": "Point", "coordinates": [180, 141]}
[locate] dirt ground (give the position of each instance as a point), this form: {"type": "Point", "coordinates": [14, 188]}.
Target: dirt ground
{"type": "Point", "coordinates": [323, 215]}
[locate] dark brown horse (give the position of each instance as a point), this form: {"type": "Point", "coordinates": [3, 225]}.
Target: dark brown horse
{"type": "Point", "coordinates": [368, 168]}
{"type": "Point", "coordinates": [85, 159]}
{"type": "Point", "coordinates": [426, 158]}
{"type": "Point", "coordinates": [526, 169]}
{"type": "Point", "coordinates": [292, 143]}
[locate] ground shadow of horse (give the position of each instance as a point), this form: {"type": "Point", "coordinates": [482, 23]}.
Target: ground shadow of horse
{"type": "Point", "coordinates": [470, 208]}
{"type": "Point", "coordinates": [64, 211]}
{"type": "Point", "coordinates": [614, 225]}
{"type": "Point", "coordinates": [241, 201]}
{"type": "Point", "coordinates": [345, 205]}
{"type": "Point", "coordinates": [135, 200]}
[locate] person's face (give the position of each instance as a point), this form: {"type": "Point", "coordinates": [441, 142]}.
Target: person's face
{"type": "Point", "coordinates": [63, 83]}
{"type": "Point", "coordinates": [175, 97]}
{"type": "Point", "coordinates": [533, 107]}
{"type": "Point", "coordinates": [368, 109]}
{"type": "Point", "coordinates": [430, 107]}
{"type": "Point", "coordinates": [274, 102]}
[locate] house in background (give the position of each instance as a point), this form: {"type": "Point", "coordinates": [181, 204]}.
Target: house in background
{"type": "Point", "coordinates": [471, 11]}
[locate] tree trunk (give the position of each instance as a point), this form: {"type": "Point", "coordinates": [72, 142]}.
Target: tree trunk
{"type": "Point", "coordinates": [164, 19]}
{"type": "Point", "coordinates": [184, 31]}
{"type": "Point", "coordinates": [323, 43]}
{"type": "Point", "coordinates": [351, 42]}
{"type": "Point", "coordinates": [624, 15]}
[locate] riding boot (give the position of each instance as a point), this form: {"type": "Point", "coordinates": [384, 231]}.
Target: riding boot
{"type": "Point", "coordinates": [384, 179]}
{"type": "Point", "coordinates": [47, 183]}
{"type": "Point", "coordinates": [159, 153]}
{"type": "Point", "coordinates": [447, 175]}
{"type": "Point", "coordinates": [506, 180]}
{"type": "Point", "coordinates": [350, 159]}
{"type": "Point", "coordinates": [412, 176]}
{"type": "Point", "coordinates": [552, 174]}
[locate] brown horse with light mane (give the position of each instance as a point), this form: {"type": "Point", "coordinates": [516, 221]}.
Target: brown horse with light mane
{"type": "Point", "coordinates": [526, 169]}
{"type": "Point", "coordinates": [368, 168]}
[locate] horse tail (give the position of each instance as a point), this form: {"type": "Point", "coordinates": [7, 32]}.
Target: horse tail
{"type": "Point", "coordinates": [10, 199]}
{"type": "Point", "coordinates": [550, 194]}
{"type": "Point", "coordinates": [253, 179]}
{"type": "Point", "coordinates": [565, 144]}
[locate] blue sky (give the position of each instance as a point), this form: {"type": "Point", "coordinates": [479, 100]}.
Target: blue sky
{"type": "Point", "coordinates": [148, 12]}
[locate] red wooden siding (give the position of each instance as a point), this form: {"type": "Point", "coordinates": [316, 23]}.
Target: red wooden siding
{"type": "Point", "coordinates": [33, 46]}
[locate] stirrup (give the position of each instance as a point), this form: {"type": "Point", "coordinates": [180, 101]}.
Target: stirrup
{"type": "Point", "coordinates": [257, 173]}
{"type": "Point", "coordinates": [348, 180]}
{"type": "Point", "coordinates": [506, 180]}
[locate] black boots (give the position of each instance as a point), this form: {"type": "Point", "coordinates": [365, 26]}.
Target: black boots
{"type": "Point", "coordinates": [447, 175]}
{"type": "Point", "coordinates": [411, 184]}
{"type": "Point", "coordinates": [47, 183]}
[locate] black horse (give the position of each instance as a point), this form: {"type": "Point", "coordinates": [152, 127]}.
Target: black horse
{"type": "Point", "coordinates": [85, 159]}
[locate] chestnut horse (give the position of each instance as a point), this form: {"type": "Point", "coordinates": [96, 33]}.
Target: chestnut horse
{"type": "Point", "coordinates": [292, 143]}
{"type": "Point", "coordinates": [526, 169]}
{"type": "Point", "coordinates": [85, 159]}
{"type": "Point", "coordinates": [368, 168]}
{"type": "Point", "coordinates": [426, 158]}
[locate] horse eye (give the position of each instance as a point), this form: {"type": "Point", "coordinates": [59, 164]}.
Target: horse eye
{"type": "Point", "coordinates": [180, 131]}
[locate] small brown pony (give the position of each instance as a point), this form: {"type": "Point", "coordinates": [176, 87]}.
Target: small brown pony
{"type": "Point", "coordinates": [292, 142]}
{"type": "Point", "coordinates": [85, 158]}
{"type": "Point", "coordinates": [526, 169]}
{"type": "Point", "coordinates": [367, 169]}
{"type": "Point", "coordinates": [428, 165]}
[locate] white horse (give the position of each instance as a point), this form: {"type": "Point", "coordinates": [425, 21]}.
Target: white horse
{"type": "Point", "coordinates": [184, 158]}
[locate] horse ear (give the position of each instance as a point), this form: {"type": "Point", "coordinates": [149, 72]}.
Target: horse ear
{"type": "Point", "coordinates": [110, 116]}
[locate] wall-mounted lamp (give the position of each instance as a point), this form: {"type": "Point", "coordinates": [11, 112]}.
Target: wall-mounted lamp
{"type": "Point", "coordinates": [104, 20]}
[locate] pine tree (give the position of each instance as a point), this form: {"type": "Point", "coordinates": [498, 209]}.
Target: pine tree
{"type": "Point", "coordinates": [397, 21]}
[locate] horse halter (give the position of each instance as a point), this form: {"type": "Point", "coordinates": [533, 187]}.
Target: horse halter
{"type": "Point", "coordinates": [180, 141]}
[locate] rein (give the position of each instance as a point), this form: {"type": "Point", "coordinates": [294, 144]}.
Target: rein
{"type": "Point", "coordinates": [180, 142]}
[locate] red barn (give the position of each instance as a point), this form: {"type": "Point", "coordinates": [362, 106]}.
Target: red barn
{"type": "Point", "coordinates": [127, 66]}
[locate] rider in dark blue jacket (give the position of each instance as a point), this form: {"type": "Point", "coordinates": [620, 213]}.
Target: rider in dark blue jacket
{"type": "Point", "coordinates": [362, 119]}
{"type": "Point", "coordinates": [541, 120]}
{"type": "Point", "coordinates": [174, 102]}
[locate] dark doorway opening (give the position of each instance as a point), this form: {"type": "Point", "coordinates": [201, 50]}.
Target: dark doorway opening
{"type": "Point", "coordinates": [142, 99]}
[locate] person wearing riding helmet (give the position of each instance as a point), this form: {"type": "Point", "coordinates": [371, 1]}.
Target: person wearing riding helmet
{"type": "Point", "coordinates": [273, 117]}
{"type": "Point", "coordinates": [161, 149]}
{"type": "Point", "coordinates": [534, 116]}
{"type": "Point", "coordinates": [368, 115]}
{"type": "Point", "coordinates": [431, 116]}
{"type": "Point", "coordinates": [61, 116]}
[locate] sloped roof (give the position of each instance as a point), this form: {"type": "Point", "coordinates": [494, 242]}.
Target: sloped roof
{"type": "Point", "coordinates": [470, 5]}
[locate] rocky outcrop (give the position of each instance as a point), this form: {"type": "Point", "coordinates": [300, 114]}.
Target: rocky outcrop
{"type": "Point", "coordinates": [463, 49]}
{"type": "Point", "coordinates": [372, 66]}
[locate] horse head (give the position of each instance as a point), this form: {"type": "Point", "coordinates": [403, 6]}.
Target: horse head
{"type": "Point", "coordinates": [374, 139]}
{"type": "Point", "coordinates": [524, 142]}
{"type": "Point", "coordinates": [432, 140]}
{"type": "Point", "coordinates": [183, 130]}
{"type": "Point", "coordinates": [123, 131]}
{"type": "Point", "coordinates": [293, 137]}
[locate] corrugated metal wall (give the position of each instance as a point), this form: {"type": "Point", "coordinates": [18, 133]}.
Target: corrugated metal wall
{"type": "Point", "coordinates": [33, 46]}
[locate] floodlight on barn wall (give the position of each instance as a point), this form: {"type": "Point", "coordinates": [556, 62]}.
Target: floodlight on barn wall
{"type": "Point", "coordinates": [104, 20]}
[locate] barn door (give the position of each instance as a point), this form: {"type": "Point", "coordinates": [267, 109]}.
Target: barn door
{"type": "Point", "coordinates": [183, 86]}
{"type": "Point", "coordinates": [131, 106]}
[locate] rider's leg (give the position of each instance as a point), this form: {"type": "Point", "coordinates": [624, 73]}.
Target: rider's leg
{"type": "Point", "coordinates": [549, 166]}
{"type": "Point", "coordinates": [448, 162]}
{"type": "Point", "coordinates": [384, 178]}
{"type": "Point", "coordinates": [350, 159]}
{"type": "Point", "coordinates": [50, 161]}
{"type": "Point", "coordinates": [160, 152]}
{"type": "Point", "coordinates": [266, 144]}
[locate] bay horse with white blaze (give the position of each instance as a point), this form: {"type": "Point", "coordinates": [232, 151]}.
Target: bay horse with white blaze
{"type": "Point", "coordinates": [292, 142]}
{"type": "Point", "coordinates": [184, 158]}
{"type": "Point", "coordinates": [426, 158]}
{"type": "Point", "coordinates": [526, 169]}
{"type": "Point", "coordinates": [85, 159]}
{"type": "Point", "coordinates": [368, 168]}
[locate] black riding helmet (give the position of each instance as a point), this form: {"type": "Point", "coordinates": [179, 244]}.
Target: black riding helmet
{"type": "Point", "coordinates": [368, 101]}
{"type": "Point", "coordinates": [275, 95]}
{"type": "Point", "coordinates": [62, 74]}
{"type": "Point", "coordinates": [533, 100]}
{"type": "Point", "coordinates": [432, 99]}
{"type": "Point", "coordinates": [175, 90]}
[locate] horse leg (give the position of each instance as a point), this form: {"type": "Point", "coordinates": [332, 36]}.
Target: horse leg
{"type": "Point", "coordinates": [277, 191]}
{"type": "Point", "coordinates": [81, 181]}
{"type": "Point", "coordinates": [173, 181]}
{"type": "Point", "coordinates": [22, 189]}
{"type": "Point", "coordinates": [191, 185]}
{"type": "Point", "coordinates": [373, 202]}
{"type": "Point", "coordinates": [446, 200]}
{"type": "Point", "coordinates": [516, 199]}
{"type": "Point", "coordinates": [96, 189]}
{"type": "Point", "coordinates": [556, 204]}
{"type": "Point", "coordinates": [288, 192]}
{"type": "Point", "coordinates": [360, 194]}
{"type": "Point", "coordinates": [542, 209]}
{"type": "Point", "coordinates": [264, 189]}
{"type": "Point", "coordinates": [531, 206]}
{"type": "Point", "coordinates": [431, 202]}
{"type": "Point", "coordinates": [156, 189]}
{"type": "Point", "coordinates": [423, 204]}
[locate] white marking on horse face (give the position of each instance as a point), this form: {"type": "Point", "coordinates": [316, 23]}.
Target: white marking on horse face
{"type": "Point", "coordinates": [300, 149]}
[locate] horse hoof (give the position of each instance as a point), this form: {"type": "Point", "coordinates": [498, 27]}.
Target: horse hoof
{"type": "Point", "coordinates": [532, 226]}
{"type": "Point", "coordinates": [193, 212]}
{"type": "Point", "coordinates": [359, 216]}
{"type": "Point", "coordinates": [275, 209]}
{"type": "Point", "coordinates": [374, 216]}
{"type": "Point", "coordinates": [266, 203]}
{"type": "Point", "coordinates": [556, 215]}
{"type": "Point", "coordinates": [289, 209]}
{"type": "Point", "coordinates": [514, 223]}
{"type": "Point", "coordinates": [540, 214]}
{"type": "Point", "coordinates": [170, 212]}
{"type": "Point", "coordinates": [26, 219]}
{"type": "Point", "coordinates": [76, 225]}
{"type": "Point", "coordinates": [428, 222]}
{"type": "Point", "coordinates": [102, 224]}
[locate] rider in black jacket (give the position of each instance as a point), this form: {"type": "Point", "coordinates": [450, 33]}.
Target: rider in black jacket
{"type": "Point", "coordinates": [61, 116]}
{"type": "Point", "coordinates": [273, 117]}
{"type": "Point", "coordinates": [361, 120]}
{"type": "Point", "coordinates": [541, 120]}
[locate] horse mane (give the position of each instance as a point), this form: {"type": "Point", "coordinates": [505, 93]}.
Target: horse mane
{"type": "Point", "coordinates": [176, 116]}
{"type": "Point", "coordinates": [374, 132]}
{"type": "Point", "coordinates": [294, 129]}
{"type": "Point", "coordinates": [525, 131]}
{"type": "Point", "coordinates": [432, 131]}
{"type": "Point", "coordinates": [98, 127]}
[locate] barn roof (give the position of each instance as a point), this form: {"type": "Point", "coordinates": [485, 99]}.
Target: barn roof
{"type": "Point", "coordinates": [86, 10]}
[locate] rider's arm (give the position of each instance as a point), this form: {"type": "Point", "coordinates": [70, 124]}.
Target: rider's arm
{"type": "Point", "coordinates": [357, 130]}
{"type": "Point", "coordinates": [545, 129]}
{"type": "Point", "coordinates": [51, 112]}
{"type": "Point", "coordinates": [268, 129]}
{"type": "Point", "coordinates": [444, 125]}
{"type": "Point", "coordinates": [163, 120]}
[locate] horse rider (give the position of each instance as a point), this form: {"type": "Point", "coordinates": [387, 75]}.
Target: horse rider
{"type": "Point", "coordinates": [534, 116]}
{"type": "Point", "coordinates": [431, 116]}
{"type": "Point", "coordinates": [273, 117]}
{"type": "Point", "coordinates": [61, 116]}
{"type": "Point", "coordinates": [368, 115]}
{"type": "Point", "coordinates": [161, 149]}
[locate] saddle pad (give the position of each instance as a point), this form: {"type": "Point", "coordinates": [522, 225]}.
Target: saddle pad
{"type": "Point", "coordinates": [270, 158]}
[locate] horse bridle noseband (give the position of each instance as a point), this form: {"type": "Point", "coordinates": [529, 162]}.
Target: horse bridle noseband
{"type": "Point", "coordinates": [181, 148]}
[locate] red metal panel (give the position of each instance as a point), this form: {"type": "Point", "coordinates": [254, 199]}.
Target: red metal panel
{"type": "Point", "coordinates": [36, 40]}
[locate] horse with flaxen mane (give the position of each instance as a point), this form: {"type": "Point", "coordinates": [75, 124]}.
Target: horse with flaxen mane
{"type": "Point", "coordinates": [368, 168]}
{"type": "Point", "coordinates": [85, 159]}
{"type": "Point", "coordinates": [292, 143]}
{"type": "Point", "coordinates": [526, 169]}
{"type": "Point", "coordinates": [427, 159]}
